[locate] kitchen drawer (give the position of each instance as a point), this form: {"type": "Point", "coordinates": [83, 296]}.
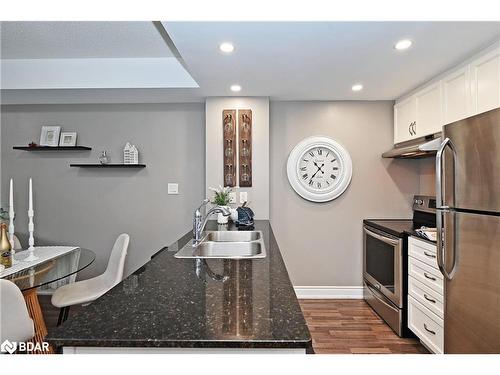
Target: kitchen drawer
{"type": "Point", "coordinates": [424, 251]}
{"type": "Point", "coordinates": [426, 325]}
{"type": "Point", "coordinates": [426, 296]}
{"type": "Point", "coordinates": [426, 274]}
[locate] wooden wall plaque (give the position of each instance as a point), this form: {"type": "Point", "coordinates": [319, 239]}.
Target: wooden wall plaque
{"type": "Point", "coordinates": [229, 146]}
{"type": "Point", "coordinates": [245, 147]}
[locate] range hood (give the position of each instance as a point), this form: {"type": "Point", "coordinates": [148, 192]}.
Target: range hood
{"type": "Point", "coordinates": [415, 149]}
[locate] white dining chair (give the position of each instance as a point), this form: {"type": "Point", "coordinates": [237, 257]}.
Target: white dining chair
{"type": "Point", "coordinates": [86, 291]}
{"type": "Point", "coordinates": [15, 322]}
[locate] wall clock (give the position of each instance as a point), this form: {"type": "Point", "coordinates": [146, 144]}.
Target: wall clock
{"type": "Point", "coordinates": [319, 169]}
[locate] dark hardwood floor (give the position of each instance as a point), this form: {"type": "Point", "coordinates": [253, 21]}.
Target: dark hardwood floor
{"type": "Point", "coordinates": [351, 326]}
{"type": "Point", "coordinates": [336, 326]}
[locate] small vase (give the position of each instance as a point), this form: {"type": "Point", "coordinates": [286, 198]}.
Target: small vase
{"type": "Point", "coordinates": [221, 219]}
{"type": "Point", "coordinates": [5, 248]}
{"type": "Point", "coordinates": [103, 158]}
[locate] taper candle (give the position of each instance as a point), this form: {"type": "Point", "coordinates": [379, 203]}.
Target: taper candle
{"type": "Point", "coordinates": [11, 195]}
{"type": "Point", "coordinates": [30, 207]}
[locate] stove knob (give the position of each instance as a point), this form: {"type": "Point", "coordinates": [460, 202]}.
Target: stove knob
{"type": "Point", "coordinates": [419, 202]}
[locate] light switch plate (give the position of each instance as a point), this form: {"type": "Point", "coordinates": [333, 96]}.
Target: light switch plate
{"type": "Point", "coordinates": [173, 188]}
{"type": "Point", "coordinates": [243, 197]}
{"type": "Point", "coordinates": [232, 197]}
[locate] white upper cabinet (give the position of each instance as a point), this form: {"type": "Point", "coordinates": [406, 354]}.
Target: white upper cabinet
{"type": "Point", "coordinates": [429, 110]}
{"type": "Point", "coordinates": [404, 120]}
{"type": "Point", "coordinates": [485, 82]}
{"type": "Point", "coordinates": [471, 89]}
{"type": "Point", "coordinates": [419, 115]}
{"type": "Point", "coordinates": [456, 95]}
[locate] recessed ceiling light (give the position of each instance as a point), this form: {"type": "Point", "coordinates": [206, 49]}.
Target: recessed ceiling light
{"type": "Point", "coordinates": [226, 47]}
{"type": "Point", "coordinates": [235, 88]}
{"type": "Point", "coordinates": [403, 44]}
{"type": "Point", "coordinates": [357, 87]}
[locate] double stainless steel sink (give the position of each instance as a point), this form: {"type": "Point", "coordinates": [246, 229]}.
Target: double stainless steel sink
{"type": "Point", "coordinates": [226, 245]}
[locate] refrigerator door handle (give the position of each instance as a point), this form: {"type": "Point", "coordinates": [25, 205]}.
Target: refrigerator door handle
{"type": "Point", "coordinates": [439, 172]}
{"type": "Point", "coordinates": [440, 209]}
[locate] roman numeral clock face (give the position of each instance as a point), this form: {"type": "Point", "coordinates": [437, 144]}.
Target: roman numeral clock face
{"type": "Point", "coordinates": [319, 169]}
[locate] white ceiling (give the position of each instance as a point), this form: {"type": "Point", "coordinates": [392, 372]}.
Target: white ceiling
{"type": "Point", "coordinates": [88, 55]}
{"type": "Point", "coordinates": [95, 73]}
{"type": "Point", "coordinates": [322, 60]}
{"type": "Point", "coordinates": [282, 60]}
{"type": "Point", "coordinates": [53, 40]}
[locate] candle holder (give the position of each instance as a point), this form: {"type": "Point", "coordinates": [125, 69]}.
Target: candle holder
{"type": "Point", "coordinates": [31, 227]}
{"type": "Point", "coordinates": [11, 237]}
{"type": "Point", "coordinates": [31, 241]}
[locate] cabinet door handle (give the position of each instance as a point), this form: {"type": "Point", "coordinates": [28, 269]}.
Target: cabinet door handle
{"type": "Point", "coordinates": [414, 128]}
{"type": "Point", "coordinates": [411, 128]}
{"type": "Point", "coordinates": [428, 330]}
{"type": "Point", "coordinates": [429, 255]}
{"type": "Point", "coordinates": [429, 277]}
{"type": "Point", "coordinates": [429, 299]}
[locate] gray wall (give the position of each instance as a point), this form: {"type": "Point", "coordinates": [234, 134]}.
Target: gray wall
{"type": "Point", "coordinates": [428, 176]}
{"type": "Point", "coordinates": [90, 208]}
{"type": "Point", "coordinates": [322, 243]}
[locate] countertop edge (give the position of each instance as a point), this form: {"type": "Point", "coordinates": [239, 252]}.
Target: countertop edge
{"type": "Point", "coordinates": [305, 344]}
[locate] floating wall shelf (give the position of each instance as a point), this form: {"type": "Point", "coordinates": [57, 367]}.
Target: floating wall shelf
{"type": "Point", "coordinates": [55, 148]}
{"type": "Point", "coordinates": [108, 165]}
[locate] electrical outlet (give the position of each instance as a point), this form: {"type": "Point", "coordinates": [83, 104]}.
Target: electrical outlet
{"type": "Point", "coordinates": [232, 197]}
{"type": "Point", "coordinates": [243, 197]}
{"type": "Point", "coordinates": [173, 189]}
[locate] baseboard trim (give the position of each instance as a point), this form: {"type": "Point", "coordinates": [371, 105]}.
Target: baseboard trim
{"type": "Point", "coordinates": [329, 292]}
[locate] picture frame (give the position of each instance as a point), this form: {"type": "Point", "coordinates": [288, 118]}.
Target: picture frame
{"type": "Point", "coordinates": [50, 136]}
{"type": "Point", "coordinates": [68, 139]}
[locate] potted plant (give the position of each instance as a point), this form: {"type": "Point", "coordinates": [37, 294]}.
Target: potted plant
{"type": "Point", "coordinates": [4, 216]}
{"type": "Point", "coordinates": [221, 198]}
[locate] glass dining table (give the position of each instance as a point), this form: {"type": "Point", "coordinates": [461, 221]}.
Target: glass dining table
{"type": "Point", "coordinates": [55, 267]}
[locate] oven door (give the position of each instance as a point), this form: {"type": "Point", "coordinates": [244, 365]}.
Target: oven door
{"type": "Point", "coordinates": [383, 263]}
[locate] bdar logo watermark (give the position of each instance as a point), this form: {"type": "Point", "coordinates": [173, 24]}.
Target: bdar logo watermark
{"type": "Point", "coordinates": [8, 347]}
{"type": "Point", "coordinates": [11, 346]}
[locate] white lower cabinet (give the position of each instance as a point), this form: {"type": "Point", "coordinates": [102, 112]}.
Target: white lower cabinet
{"type": "Point", "coordinates": [426, 325]}
{"type": "Point", "coordinates": [426, 274]}
{"type": "Point", "coordinates": [423, 251]}
{"type": "Point", "coordinates": [425, 295]}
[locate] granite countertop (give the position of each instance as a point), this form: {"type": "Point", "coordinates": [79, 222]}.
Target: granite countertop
{"type": "Point", "coordinates": [171, 302]}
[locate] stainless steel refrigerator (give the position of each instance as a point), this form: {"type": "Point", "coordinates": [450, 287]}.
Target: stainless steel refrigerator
{"type": "Point", "coordinates": [468, 211]}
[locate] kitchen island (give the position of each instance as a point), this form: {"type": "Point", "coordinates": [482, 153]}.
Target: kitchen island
{"type": "Point", "coordinates": [173, 305]}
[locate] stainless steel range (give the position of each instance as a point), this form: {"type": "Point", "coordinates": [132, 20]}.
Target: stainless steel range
{"type": "Point", "coordinates": [385, 256]}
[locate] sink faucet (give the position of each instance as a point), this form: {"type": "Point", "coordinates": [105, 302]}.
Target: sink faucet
{"type": "Point", "coordinates": [199, 223]}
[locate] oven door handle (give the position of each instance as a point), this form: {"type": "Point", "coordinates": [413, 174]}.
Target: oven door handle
{"type": "Point", "coordinates": [379, 296]}
{"type": "Point", "coordinates": [387, 240]}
